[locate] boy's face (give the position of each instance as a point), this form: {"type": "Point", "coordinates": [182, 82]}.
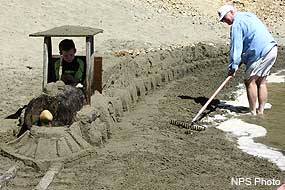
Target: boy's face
{"type": "Point", "coordinates": [69, 55]}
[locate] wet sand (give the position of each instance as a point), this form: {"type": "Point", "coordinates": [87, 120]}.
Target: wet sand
{"type": "Point", "coordinates": [147, 152]}
{"type": "Point", "coordinates": [273, 119]}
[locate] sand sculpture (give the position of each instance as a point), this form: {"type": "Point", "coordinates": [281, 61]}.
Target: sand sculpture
{"type": "Point", "coordinates": [74, 134]}
{"type": "Point", "coordinates": [75, 129]}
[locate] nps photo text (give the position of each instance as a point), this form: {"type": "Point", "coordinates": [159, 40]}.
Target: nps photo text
{"type": "Point", "coordinates": [254, 181]}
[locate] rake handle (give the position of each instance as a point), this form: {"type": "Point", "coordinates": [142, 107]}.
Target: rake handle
{"type": "Point", "coordinates": [211, 98]}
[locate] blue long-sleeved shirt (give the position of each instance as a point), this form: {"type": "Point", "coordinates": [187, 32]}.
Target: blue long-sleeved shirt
{"type": "Point", "coordinates": [250, 40]}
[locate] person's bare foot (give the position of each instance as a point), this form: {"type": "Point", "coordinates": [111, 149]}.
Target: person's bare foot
{"type": "Point", "coordinates": [260, 114]}
{"type": "Point", "coordinates": [260, 111]}
{"type": "Point", "coordinates": [253, 113]}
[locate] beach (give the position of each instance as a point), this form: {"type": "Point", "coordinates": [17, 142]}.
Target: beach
{"type": "Point", "coordinates": [182, 55]}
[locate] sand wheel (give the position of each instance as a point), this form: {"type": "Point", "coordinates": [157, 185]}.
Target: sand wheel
{"type": "Point", "coordinates": [41, 146]}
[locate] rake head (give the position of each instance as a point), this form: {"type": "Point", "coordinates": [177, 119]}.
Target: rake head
{"type": "Point", "coordinates": [193, 125]}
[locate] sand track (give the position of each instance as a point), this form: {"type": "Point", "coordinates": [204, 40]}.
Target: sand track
{"type": "Point", "coordinates": [146, 152]}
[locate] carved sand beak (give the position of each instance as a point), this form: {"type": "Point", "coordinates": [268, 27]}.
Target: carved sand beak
{"type": "Point", "coordinates": [46, 116]}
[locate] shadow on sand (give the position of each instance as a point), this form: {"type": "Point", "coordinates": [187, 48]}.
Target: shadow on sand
{"type": "Point", "coordinates": [216, 103]}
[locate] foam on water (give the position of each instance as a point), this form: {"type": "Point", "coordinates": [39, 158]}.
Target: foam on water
{"type": "Point", "coordinates": [276, 77]}
{"type": "Point", "coordinates": [246, 132]}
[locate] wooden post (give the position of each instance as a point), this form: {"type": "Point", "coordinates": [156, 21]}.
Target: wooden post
{"type": "Point", "coordinates": [92, 44]}
{"type": "Point", "coordinates": [8, 175]}
{"type": "Point", "coordinates": [54, 169]}
{"type": "Point", "coordinates": [89, 67]}
{"type": "Point", "coordinates": [97, 75]}
{"type": "Point", "coordinates": [46, 59]}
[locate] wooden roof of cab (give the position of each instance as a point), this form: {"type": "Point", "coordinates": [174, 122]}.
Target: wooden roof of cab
{"type": "Point", "coordinates": [68, 31]}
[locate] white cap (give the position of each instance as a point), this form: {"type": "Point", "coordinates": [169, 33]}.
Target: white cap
{"type": "Point", "coordinates": [224, 10]}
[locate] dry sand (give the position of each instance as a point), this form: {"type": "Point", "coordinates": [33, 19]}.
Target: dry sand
{"type": "Point", "coordinates": [124, 25]}
{"type": "Point", "coordinates": [153, 155]}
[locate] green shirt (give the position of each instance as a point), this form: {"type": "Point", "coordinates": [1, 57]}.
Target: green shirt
{"type": "Point", "coordinates": [75, 68]}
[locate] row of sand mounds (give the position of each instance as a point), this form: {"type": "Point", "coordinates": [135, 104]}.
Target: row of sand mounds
{"type": "Point", "coordinates": [129, 81]}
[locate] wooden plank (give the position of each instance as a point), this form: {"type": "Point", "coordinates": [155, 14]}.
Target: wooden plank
{"type": "Point", "coordinates": [97, 75]}
{"type": "Point", "coordinates": [51, 71]}
{"type": "Point", "coordinates": [68, 31]}
{"type": "Point", "coordinates": [92, 45]}
{"type": "Point", "coordinates": [54, 169]}
{"type": "Point", "coordinates": [89, 67]}
{"type": "Point", "coordinates": [47, 43]}
{"type": "Point", "coordinates": [91, 39]}
{"type": "Point", "coordinates": [7, 176]}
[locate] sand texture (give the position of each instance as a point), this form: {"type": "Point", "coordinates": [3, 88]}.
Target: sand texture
{"type": "Point", "coordinates": [154, 53]}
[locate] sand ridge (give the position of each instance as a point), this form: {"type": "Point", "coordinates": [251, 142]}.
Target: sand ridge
{"type": "Point", "coordinates": [127, 26]}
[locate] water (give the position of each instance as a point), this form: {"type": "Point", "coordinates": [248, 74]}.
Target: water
{"type": "Point", "coordinates": [274, 119]}
{"type": "Point", "coordinates": [257, 135]}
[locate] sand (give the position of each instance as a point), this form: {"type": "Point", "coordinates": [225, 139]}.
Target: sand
{"type": "Point", "coordinates": [124, 25]}
{"type": "Point", "coordinates": [145, 151]}
{"type": "Point", "coordinates": [249, 130]}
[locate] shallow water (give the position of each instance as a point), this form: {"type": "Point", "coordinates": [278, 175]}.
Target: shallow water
{"type": "Point", "coordinates": [273, 119]}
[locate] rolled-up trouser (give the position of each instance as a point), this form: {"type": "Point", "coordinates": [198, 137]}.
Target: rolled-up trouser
{"type": "Point", "coordinates": [262, 66]}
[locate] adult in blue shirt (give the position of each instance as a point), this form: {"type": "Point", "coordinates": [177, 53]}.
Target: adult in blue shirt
{"type": "Point", "coordinates": [253, 45]}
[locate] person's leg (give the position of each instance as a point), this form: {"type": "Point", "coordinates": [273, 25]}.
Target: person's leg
{"type": "Point", "coordinates": [267, 63]}
{"type": "Point", "coordinates": [262, 94]}
{"type": "Point", "coordinates": [251, 89]}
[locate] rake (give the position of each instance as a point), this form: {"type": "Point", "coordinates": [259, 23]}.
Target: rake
{"type": "Point", "coordinates": [193, 125]}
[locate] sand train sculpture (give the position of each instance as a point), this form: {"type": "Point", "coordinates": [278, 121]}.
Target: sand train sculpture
{"type": "Point", "coordinates": [56, 128]}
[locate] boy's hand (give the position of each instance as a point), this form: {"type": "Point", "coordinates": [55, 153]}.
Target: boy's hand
{"type": "Point", "coordinates": [79, 85]}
